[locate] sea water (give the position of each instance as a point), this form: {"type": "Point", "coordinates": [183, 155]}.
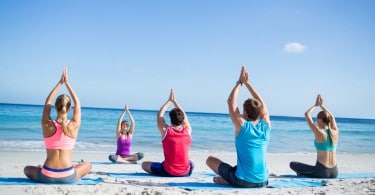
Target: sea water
{"type": "Point", "coordinates": [20, 130]}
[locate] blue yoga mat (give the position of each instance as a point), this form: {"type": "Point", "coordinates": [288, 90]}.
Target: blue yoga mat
{"type": "Point", "coordinates": [102, 163]}
{"type": "Point", "coordinates": [144, 174]}
{"type": "Point", "coordinates": [96, 162]}
{"type": "Point", "coordinates": [287, 183]}
{"type": "Point", "coordinates": [190, 186]}
{"type": "Point", "coordinates": [340, 176]}
{"type": "Point", "coordinates": [107, 163]}
{"type": "Point", "coordinates": [355, 175]}
{"type": "Point", "coordinates": [130, 175]}
{"type": "Point", "coordinates": [280, 183]}
{"type": "Point", "coordinates": [27, 181]}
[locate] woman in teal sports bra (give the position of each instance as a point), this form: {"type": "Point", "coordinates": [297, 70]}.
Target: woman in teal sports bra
{"type": "Point", "coordinates": [326, 138]}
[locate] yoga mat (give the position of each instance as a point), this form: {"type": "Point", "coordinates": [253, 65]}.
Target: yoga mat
{"type": "Point", "coordinates": [355, 175]}
{"type": "Point", "coordinates": [340, 176]}
{"type": "Point", "coordinates": [287, 183]}
{"type": "Point", "coordinates": [103, 163]}
{"type": "Point", "coordinates": [130, 175]}
{"type": "Point", "coordinates": [281, 183]}
{"type": "Point", "coordinates": [190, 186]}
{"type": "Point", "coordinates": [107, 163]}
{"type": "Point", "coordinates": [144, 174]}
{"type": "Point", "coordinates": [27, 181]}
{"type": "Point", "coordinates": [96, 162]}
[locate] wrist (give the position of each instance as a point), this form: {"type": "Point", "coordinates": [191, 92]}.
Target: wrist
{"type": "Point", "coordinates": [239, 82]}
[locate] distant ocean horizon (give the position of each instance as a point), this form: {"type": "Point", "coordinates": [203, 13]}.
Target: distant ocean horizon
{"type": "Point", "coordinates": [20, 130]}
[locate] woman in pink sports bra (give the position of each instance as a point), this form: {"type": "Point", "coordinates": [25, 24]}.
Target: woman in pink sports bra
{"type": "Point", "coordinates": [124, 136]}
{"type": "Point", "coordinates": [59, 138]}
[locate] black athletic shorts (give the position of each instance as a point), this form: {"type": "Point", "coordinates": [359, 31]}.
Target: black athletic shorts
{"type": "Point", "coordinates": [229, 174]}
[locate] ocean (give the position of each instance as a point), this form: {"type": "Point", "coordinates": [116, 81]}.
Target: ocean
{"type": "Point", "coordinates": [213, 133]}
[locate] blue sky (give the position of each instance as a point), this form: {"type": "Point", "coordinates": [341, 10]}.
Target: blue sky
{"type": "Point", "coordinates": [133, 52]}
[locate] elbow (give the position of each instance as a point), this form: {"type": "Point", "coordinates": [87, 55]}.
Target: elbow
{"type": "Point", "coordinates": [229, 100]}
{"type": "Point", "coordinates": [307, 115]}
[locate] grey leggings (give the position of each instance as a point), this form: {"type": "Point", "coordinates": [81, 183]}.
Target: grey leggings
{"type": "Point", "coordinates": [317, 171]}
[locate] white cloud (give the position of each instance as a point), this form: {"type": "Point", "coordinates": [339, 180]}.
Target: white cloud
{"type": "Point", "coordinates": [294, 47]}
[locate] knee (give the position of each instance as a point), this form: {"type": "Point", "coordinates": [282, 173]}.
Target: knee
{"type": "Point", "coordinates": [213, 162]}
{"type": "Point", "coordinates": [292, 164]}
{"type": "Point", "coordinates": [140, 155]}
{"type": "Point", "coordinates": [146, 166]}
{"type": "Point", "coordinates": [30, 172]}
{"type": "Point", "coordinates": [208, 160]}
{"type": "Point", "coordinates": [113, 158]}
{"type": "Point", "coordinates": [89, 166]}
{"type": "Point", "coordinates": [26, 170]}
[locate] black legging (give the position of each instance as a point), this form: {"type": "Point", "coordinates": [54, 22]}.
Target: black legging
{"type": "Point", "coordinates": [317, 171]}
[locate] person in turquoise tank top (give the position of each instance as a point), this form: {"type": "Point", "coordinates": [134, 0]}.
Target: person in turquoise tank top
{"type": "Point", "coordinates": [252, 130]}
{"type": "Point", "coordinates": [326, 138]}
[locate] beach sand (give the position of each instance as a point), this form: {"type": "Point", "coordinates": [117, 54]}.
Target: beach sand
{"type": "Point", "coordinates": [12, 164]}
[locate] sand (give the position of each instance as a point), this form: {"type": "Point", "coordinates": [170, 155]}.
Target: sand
{"type": "Point", "coordinates": [12, 164]}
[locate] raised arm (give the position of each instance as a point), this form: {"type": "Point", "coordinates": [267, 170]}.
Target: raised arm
{"type": "Point", "coordinates": [314, 127]}
{"type": "Point", "coordinates": [75, 122]}
{"type": "Point", "coordinates": [333, 120]}
{"type": "Point", "coordinates": [186, 122]}
{"type": "Point", "coordinates": [132, 122]}
{"type": "Point", "coordinates": [46, 118]}
{"type": "Point", "coordinates": [162, 125]}
{"type": "Point", "coordinates": [264, 115]}
{"type": "Point", "coordinates": [118, 129]}
{"type": "Point", "coordinates": [234, 112]}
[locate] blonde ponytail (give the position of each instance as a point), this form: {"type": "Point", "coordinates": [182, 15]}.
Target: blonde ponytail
{"type": "Point", "coordinates": [62, 105]}
{"type": "Point", "coordinates": [64, 127]}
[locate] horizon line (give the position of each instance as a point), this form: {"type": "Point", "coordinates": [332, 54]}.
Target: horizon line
{"type": "Point", "coordinates": [219, 113]}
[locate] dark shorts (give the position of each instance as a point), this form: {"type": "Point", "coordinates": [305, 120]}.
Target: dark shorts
{"type": "Point", "coordinates": [228, 173]}
{"type": "Point", "coordinates": [158, 169]}
{"type": "Point", "coordinates": [317, 171]}
{"type": "Point", "coordinates": [45, 179]}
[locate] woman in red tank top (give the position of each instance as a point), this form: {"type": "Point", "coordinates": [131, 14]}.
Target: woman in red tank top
{"type": "Point", "coordinates": [176, 141]}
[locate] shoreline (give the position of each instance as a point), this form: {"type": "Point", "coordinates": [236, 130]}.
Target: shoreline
{"type": "Point", "coordinates": [110, 147]}
{"type": "Point", "coordinates": [278, 164]}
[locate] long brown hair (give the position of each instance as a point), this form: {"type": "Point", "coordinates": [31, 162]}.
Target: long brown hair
{"type": "Point", "coordinates": [62, 105]}
{"type": "Point", "coordinates": [327, 119]}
